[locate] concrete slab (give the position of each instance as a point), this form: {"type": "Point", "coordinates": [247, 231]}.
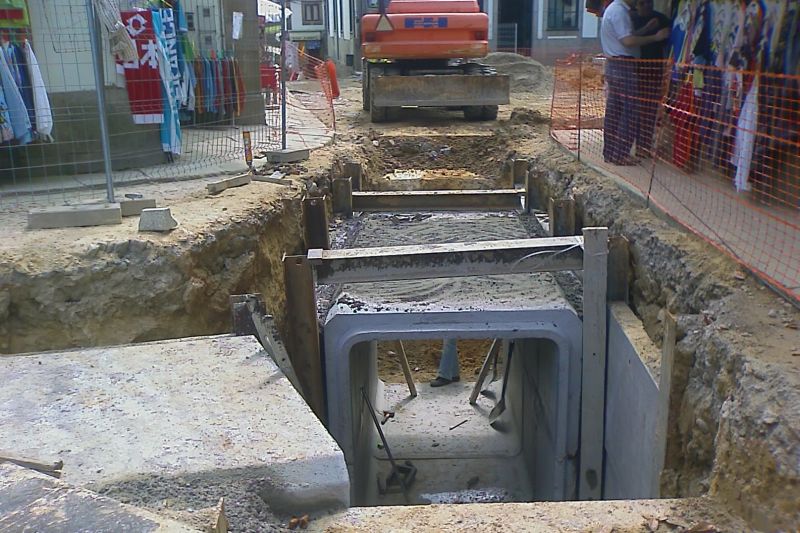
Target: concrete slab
{"type": "Point", "coordinates": [288, 156]}
{"type": "Point", "coordinates": [157, 219]}
{"type": "Point", "coordinates": [638, 515]}
{"type": "Point", "coordinates": [68, 216]}
{"type": "Point", "coordinates": [632, 462]}
{"type": "Point", "coordinates": [178, 418]}
{"type": "Point", "coordinates": [133, 207]}
{"type": "Point", "coordinates": [236, 181]}
{"type": "Point", "coordinates": [30, 501]}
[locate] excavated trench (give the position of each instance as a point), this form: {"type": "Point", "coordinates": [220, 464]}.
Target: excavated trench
{"type": "Point", "coordinates": [718, 441]}
{"type": "Point", "coordinates": [140, 289]}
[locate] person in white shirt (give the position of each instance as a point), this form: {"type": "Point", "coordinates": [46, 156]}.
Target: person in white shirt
{"type": "Point", "coordinates": [621, 47]}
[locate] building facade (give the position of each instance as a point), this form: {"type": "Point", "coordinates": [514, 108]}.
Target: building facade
{"type": "Point", "coordinates": [307, 26]}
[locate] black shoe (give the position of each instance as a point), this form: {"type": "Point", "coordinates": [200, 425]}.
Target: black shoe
{"type": "Point", "coordinates": [441, 382]}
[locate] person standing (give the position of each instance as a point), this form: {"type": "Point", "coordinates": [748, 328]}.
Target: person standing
{"type": "Point", "coordinates": [448, 365]}
{"type": "Point", "coordinates": [650, 73]}
{"type": "Point", "coordinates": [621, 46]}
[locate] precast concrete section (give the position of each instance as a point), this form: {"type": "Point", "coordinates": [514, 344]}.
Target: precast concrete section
{"type": "Point", "coordinates": [184, 418]}
{"type": "Point", "coordinates": [544, 390]}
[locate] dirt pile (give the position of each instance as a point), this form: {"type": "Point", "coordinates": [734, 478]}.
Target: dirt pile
{"type": "Point", "coordinates": [527, 75]}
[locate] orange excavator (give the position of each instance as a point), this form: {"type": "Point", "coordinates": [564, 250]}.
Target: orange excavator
{"type": "Point", "coordinates": [420, 53]}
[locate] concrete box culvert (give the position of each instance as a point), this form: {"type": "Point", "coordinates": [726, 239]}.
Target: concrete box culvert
{"type": "Point", "coordinates": [543, 395]}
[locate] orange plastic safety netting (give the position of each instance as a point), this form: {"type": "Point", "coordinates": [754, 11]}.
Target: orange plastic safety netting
{"type": "Point", "coordinates": [716, 149]}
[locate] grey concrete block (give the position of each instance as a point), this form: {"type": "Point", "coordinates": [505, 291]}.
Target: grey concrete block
{"type": "Point", "coordinates": [288, 155]}
{"type": "Point", "coordinates": [132, 208]}
{"type": "Point", "coordinates": [68, 216]}
{"type": "Point", "coordinates": [219, 186]}
{"type": "Point", "coordinates": [158, 219]}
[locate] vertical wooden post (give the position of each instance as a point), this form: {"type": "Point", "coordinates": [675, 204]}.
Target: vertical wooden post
{"type": "Point", "coordinates": [343, 197]}
{"type": "Point", "coordinates": [593, 373]}
{"type": "Point", "coordinates": [355, 171]}
{"type": "Point", "coordinates": [664, 390]}
{"type": "Point", "coordinates": [619, 257]}
{"type": "Point", "coordinates": [301, 316]}
{"type": "Point", "coordinates": [315, 223]}
{"type": "Point", "coordinates": [562, 217]}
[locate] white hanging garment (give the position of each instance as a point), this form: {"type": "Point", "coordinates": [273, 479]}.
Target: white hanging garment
{"type": "Point", "coordinates": [41, 102]}
{"type": "Point", "coordinates": [122, 45]}
{"type": "Point", "coordinates": [745, 141]}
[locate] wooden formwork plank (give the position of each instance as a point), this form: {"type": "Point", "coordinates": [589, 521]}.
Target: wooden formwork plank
{"type": "Point", "coordinates": [593, 373]}
{"type": "Point", "coordinates": [444, 200]}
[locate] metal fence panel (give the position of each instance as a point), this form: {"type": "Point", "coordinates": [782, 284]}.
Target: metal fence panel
{"type": "Point", "coordinates": [203, 78]}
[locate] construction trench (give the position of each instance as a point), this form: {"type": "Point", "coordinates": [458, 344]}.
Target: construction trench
{"type": "Point", "coordinates": [293, 326]}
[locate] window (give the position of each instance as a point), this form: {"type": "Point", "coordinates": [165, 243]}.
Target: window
{"type": "Point", "coordinates": [312, 13]}
{"type": "Point", "coordinates": [562, 14]}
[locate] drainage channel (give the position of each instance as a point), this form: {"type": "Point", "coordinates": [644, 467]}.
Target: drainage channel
{"type": "Point", "coordinates": [449, 449]}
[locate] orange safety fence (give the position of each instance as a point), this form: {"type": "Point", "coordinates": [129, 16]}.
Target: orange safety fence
{"type": "Point", "coordinates": [317, 98]}
{"type": "Point", "coordinates": [716, 149]}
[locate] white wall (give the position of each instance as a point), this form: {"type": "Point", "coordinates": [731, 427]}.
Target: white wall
{"type": "Point", "coordinates": [296, 7]}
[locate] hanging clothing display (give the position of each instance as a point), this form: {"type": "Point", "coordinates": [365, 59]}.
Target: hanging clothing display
{"type": "Point", "coordinates": [17, 111]}
{"type": "Point", "coordinates": [685, 118]}
{"type": "Point", "coordinates": [41, 102]}
{"type": "Point", "coordinates": [142, 77]}
{"type": "Point", "coordinates": [6, 131]}
{"type": "Point", "coordinates": [164, 27]}
{"type": "Point", "coordinates": [25, 112]}
{"type": "Point", "coordinates": [746, 126]}
{"type": "Point", "coordinates": [22, 74]}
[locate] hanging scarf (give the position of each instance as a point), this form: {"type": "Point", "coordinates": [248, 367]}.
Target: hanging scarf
{"type": "Point", "coordinates": [18, 113]}
{"type": "Point", "coordinates": [164, 27]}
{"type": "Point", "coordinates": [6, 131]}
{"type": "Point", "coordinates": [142, 76]}
{"type": "Point", "coordinates": [41, 102]}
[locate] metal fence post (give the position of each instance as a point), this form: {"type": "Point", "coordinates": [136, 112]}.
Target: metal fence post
{"type": "Point", "coordinates": [580, 103]}
{"type": "Point", "coordinates": [283, 74]}
{"type": "Point", "coordinates": [97, 61]}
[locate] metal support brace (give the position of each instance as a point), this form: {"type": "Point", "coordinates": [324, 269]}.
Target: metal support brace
{"type": "Point", "coordinates": [343, 197]}
{"type": "Point", "coordinates": [315, 223]}
{"type": "Point", "coordinates": [355, 172]}
{"type": "Point", "coordinates": [444, 200]}
{"type": "Point", "coordinates": [431, 261]}
{"type": "Point", "coordinates": [530, 193]}
{"type": "Point", "coordinates": [562, 217]}
{"type": "Point", "coordinates": [593, 373]}
{"type": "Point", "coordinates": [301, 317]}
{"type": "Point", "coordinates": [520, 171]}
